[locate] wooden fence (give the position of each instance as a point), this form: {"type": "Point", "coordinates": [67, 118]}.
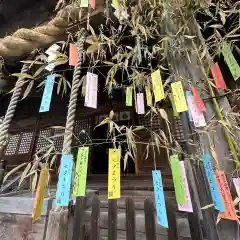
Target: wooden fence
{"type": "Point", "coordinates": [91, 230]}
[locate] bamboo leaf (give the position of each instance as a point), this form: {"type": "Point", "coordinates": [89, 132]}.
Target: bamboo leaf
{"type": "Point", "coordinates": [28, 89]}
{"type": "Point", "coordinates": [22, 75]}
{"type": "Point", "coordinates": [34, 182]}
{"type": "Point", "coordinates": [13, 171]}
{"type": "Point", "coordinates": [24, 174]}
{"type": "Point", "coordinates": [207, 206]}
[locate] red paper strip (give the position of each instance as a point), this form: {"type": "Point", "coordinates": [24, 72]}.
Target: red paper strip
{"type": "Point", "coordinates": [198, 100]}
{"type": "Point", "coordinates": [93, 3]}
{"type": "Point", "coordinates": [218, 77]}
{"type": "Point", "coordinates": [73, 55]}
{"type": "Point", "coordinates": [230, 211]}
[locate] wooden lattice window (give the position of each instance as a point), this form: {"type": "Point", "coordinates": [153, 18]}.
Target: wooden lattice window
{"type": "Point", "coordinates": [58, 139]}
{"type": "Point", "coordinates": [25, 142]}
{"type": "Point", "coordinates": [154, 123]}
{"type": "Point", "coordinates": [12, 145]}
{"type": "Point", "coordinates": [42, 139]}
{"type": "Point", "coordinates": [82, 130]}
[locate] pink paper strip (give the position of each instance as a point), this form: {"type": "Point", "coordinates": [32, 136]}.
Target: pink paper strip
{"type": "Point", "coordinates": [187, 207]}
{"type": "Point", "coordinates": [140, 103]}
{"type": "Point", "coordinates": [91, 90]}
{"type": "Point", "coordinates": [198, 117]}
{"type": "Point", "coordinates": [236, 182]}
{"type": "Point", "coordinates": [93, 3]}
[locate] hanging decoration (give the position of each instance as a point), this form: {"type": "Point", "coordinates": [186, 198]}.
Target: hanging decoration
{"type": "Point", "coordinates": [199, 101]}
{"type": "Point", "coordinates": [178, 179]}
{"type": "Point", "coordinates": [84, 3]}
{"type": "Point", "coordinates": [179, 97]}
{"type": "Point", "coordinates": [188, 94]}
{"type": "Point", "coordinates": [231, 61]}
{"type": "Point", "coordinates": [91, 90]}
{"type": "Point", "coordinates": [93, 4]}
{"type": "Point", "coordinates": [186, 207]}
{"type": "Point", "coordinates": [114, 174]}
{"type": "Point", "coordinates": [218, 77]}
{"type": "Point", "coordinates": [140, 103]}
{"type": "Point", "coordinates": [64, 181]}
{"type": "Point", "coordinates": [129, 95]}
{"type": "Point", "coordinates": [47, 94]}
{"type": "Point", "coordinates": [80, 177]}
{"type": "Point", "coordinates": [41, 189]}
{"type": "Point", "coordinates": [175, 113]}
{"type": "Point", "coordinates": [197, 116]}
{"type": "Point", "coordinates": [52, 56]}
{"type": "Point", "coordinates": [157, 86]}
{"type": "Point", "coordinates": [148, 96]}
{"type": "Point", "coordinates": [215, 193]}
{"type": "Point", "coordinates": [73, 55]}
{"type": "Point", "coordinates": [159, 198]}
{"type": "Point", "coordinates": [236, 182]}
{"type": "Point", "coordinates": [230, 212]}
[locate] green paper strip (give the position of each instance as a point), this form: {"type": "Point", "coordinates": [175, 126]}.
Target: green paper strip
{"type": "Point", "coordinates": [129, 96]}
{"type": "Point", "coordinates": [177, 179]}
{"type": "Point", "coordinates": [79, 188]}
{"type": "Point", "coordinates": [231, 61]}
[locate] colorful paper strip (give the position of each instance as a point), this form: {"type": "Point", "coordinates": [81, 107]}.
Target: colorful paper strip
{"type": "Point", "coordinates": [178, 179]}
{"type": "Point", "coordinates": [81, 172]}
{"type": "Point", "coordinates": [64, 181]}
{"type": "Point", "coordinates": [114, 174]}
{"type": "Point", "coordinates": [73, 55]}
{"type": "Point", "coordinates": [41, 188]}
{"type": "Point", "coordinates": [199, 101]}
{"type": "Point", "coordinates": [215, 193]}
{"type": "Point", "coordinates": [129, 91]}
{"type": "Point", "coordinates": [186, 207]}
{"type": "Point", "coordinates": [218, 77]}
{"type": "Point", "coordinates": [93, 4]}
{"type": "Point", "coordinates": [148, 96]}
{"type": "Point", "coordinates": [179, 97]}
{"type": "Point", "coordinates": [47, 94]}
{"type": "Point", "coordinates": [236, 182]}
{"type": "Point", "coordinates": [197, 116]}
{"type": "Point", "coordinates": [84, 3]}
{"type": "Point", "coordinates": [159, 198]}
{"type": "Point", "coordinates": [188, 95]}
{"type": "Point", "coordinates": [231, 61]}
{"type": "Point", "coordinates": [140, 103]}
{"type": "Point", "coordinates": [230, 212]}
{"type": "Point", "coordinates": [157, 86]}
{"type": "Point", "coordinates": [91, 90]}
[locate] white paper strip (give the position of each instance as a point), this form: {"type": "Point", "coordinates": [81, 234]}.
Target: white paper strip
{"type": "Point", "coordinates": [197, 116]}
{"type": "Point", "coordinates": [91, 90]}
{"type": "Point", "coordinates": [236, 182]}
{"type": "Point", "coordinates": [187, 207]}
{"type": "Point", "coordinates": [140, 103]}
{"type": "Point", "coordinates": [51, 50]}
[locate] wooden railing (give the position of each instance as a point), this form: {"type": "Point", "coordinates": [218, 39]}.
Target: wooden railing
{"type": "Point", "coordinates": [89, 229]}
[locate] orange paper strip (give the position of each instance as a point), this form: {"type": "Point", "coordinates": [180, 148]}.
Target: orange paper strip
{"type": "Point", "coordinates": [73, 55]}
{"type": "Point", "coordinates": [230, 211]}
{"type": "Point", "coordinates": [218, 77]}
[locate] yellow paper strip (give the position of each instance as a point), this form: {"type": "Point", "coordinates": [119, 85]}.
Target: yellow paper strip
{"type": "Point", "coordinates": [175, 113]}
{"type": "Point", "coordinates": [115, 4]}
{"type": "Point", "coordinates": [129, 91]}
{"type": "Point", "coordinates": [41, 188]}
{"type": "Point", "coordinates": [149, 96]}
{"type": "Point", "coordinates": [84, 3]}
{"type": "Point", "coordinates": [114, 174]}
{"type": "Point", "coordinates": [157, 86]}
{"type": "Point", "coordinates": [179, 97]}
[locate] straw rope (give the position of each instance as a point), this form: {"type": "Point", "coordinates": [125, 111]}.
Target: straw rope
{"type": "Point", "coordinates": [25, 40]}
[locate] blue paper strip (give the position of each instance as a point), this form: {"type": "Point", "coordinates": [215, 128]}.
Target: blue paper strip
{"type": "Point", "coordinates": [216, 196]}
{"type": "Point", "coordinates": [64, 181]}
{"type": "Point", "coordinates": [159, 198]}
{"type": "Point", "coordinates": [188, 93]}
{"type": "Point", "coordinates": [47, 94]}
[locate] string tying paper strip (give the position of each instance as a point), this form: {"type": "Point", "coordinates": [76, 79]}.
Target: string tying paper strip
{"type": "Point", "coordinates": [114, 173]}
{"type": "Point", "coordinates": [47, 94]}
{"type": "Point", "coordinates": [64, 181]}
{"type": "Point", "coordinates": [197, 116]}
{"type": "Point", "coordinates": [186, 207]}
{"type": "Point", "coordinates": [214, 189]}
{"type": "Point", "coordinates": [91, 90]}
{"type": "Point", "coordinates": [159, 198]}
{"type": "Point", "coordinates": [230, 212]}
{"type": "Point", "coordinates": [80, 177]}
